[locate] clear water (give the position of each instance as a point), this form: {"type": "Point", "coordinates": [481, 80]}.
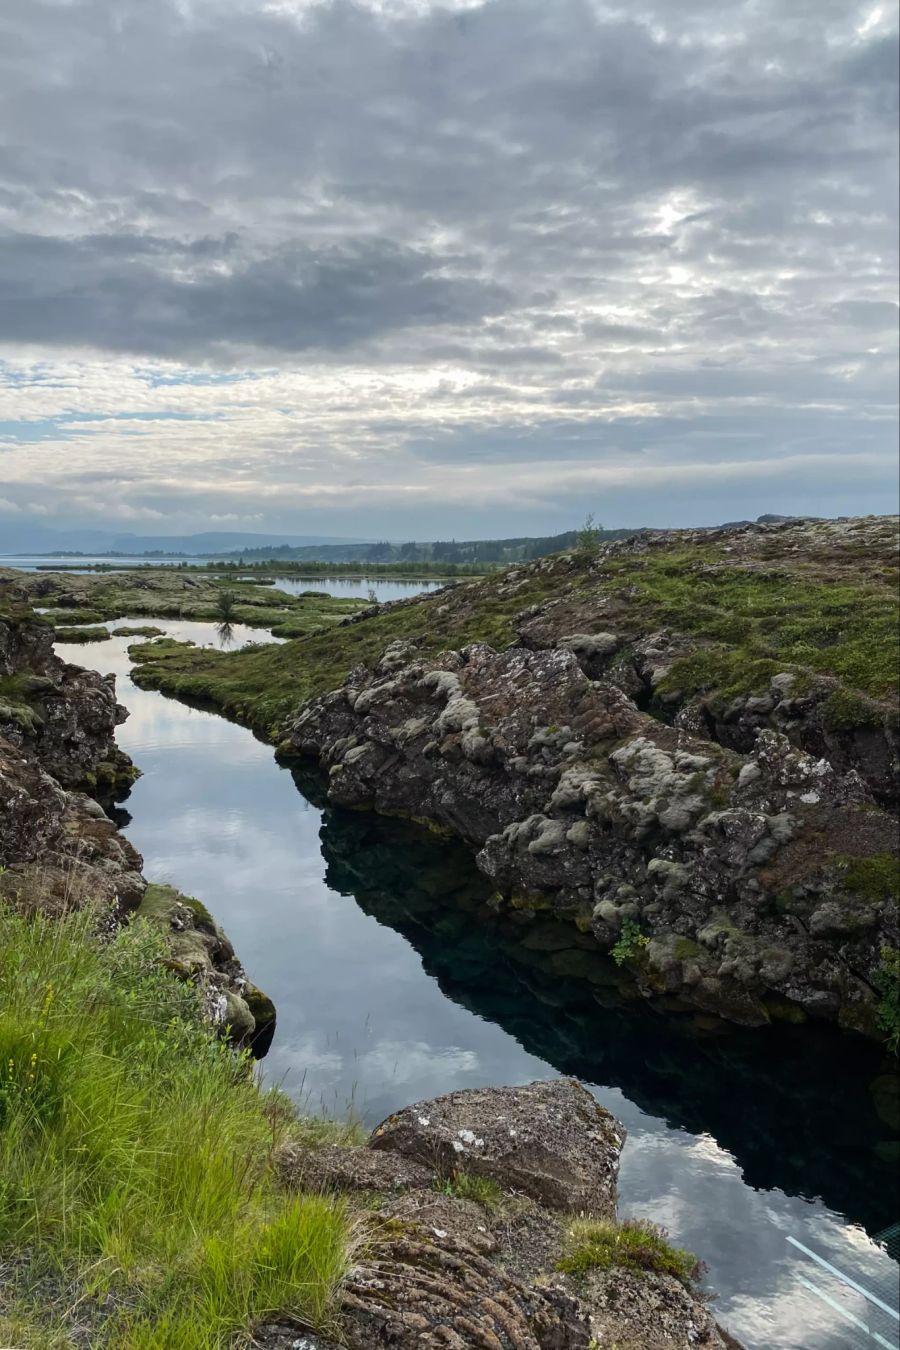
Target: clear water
{"type": "Point", "coordinates": [394, 982]}
{"type": "Point", "coordinates": [356, 586]}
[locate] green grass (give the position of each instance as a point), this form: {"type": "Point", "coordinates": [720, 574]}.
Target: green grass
{"type": "Point", "coordinates": [760, 620]}
{"type": "Point", "coordinates": [748, 620]}
{"type": "Point", "coordinates": [80, 634]}
{"type": "Point", "coordinates": [467, 1186]}
{"type": "Point", "coordinates": [266, 683]}
{"type": "Point", "coordinates": [633, 1245]}
{"type": "Point", "coordinates": [135, 1157]}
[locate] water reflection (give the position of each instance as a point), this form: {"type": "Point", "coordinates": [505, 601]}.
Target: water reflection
{"type": "Point", "coordinates": [395, 981]}
{"type": "Point", "coordinates": [762, 1095]}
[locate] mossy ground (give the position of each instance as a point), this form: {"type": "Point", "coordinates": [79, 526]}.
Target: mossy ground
{"type": "Point", "coordinates": [633, 1245]}
{"type": "Point", "coordinates": [748, 617]}
{"type": "Point", "coordinates": [74, 601]}
{"type": "Point", "coordinates": [138, 1201]}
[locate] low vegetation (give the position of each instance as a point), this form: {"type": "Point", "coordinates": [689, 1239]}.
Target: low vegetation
{"type": "Point", "coordinates": [745, 618]}
{"type": "Point", "coordinates": [138, 1205]}
{"type": "Point", "coordinates": [633, 1245]}
{"type": "Point", "coordinates": [468, 1186]}
{"type": "Point", "coordinates": [630, 944]}
{"type": "Point", "coordinates": [888, 984]}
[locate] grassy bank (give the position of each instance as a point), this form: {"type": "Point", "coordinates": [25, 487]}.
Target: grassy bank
{"type": "Point", "coordinates": [743, 618]}
{"type": "Point", "coordinates": [78, 601]}
{"type": "Point", "coordinates": [138, 1207]}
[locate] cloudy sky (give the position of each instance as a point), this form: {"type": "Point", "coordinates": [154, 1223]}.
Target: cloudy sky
{"type": "Point", "coordinates": [414, 267]}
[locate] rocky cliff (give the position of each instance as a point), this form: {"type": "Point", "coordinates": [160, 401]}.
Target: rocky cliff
{"type": "Point", "coordinates": [58, 847]}
{"type": "Point", "coordinates": [688, 747]}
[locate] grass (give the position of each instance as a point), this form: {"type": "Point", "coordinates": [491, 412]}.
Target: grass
{"type": "Point", "coordinates": [89, 634]}
{"type": "Point", "coordinates": [467, 1186]}
{"type": "Point", "coordinates": [748, 621]}
{"type": "Point", "coordinates": [135, 1157]}
{"type": "Point", "coordinates": [264, 684]}
{"type": "Point", "coordinates": [758, 621]}
{"type": "Point", "coordinates": [633, 1245]}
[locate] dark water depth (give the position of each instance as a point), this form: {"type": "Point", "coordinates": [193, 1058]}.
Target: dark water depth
{"type": "Point", "coordinates": [394, 981]}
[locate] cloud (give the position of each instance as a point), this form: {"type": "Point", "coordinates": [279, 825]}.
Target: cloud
{"type": "Point", "coordinates": [277, 250]}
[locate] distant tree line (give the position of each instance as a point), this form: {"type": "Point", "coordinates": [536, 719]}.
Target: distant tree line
{"type": "Point", "coordinates": [468, 553]}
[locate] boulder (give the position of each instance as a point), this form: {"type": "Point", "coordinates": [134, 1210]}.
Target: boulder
{"type": "Point", "coordinates": [549, 1140]}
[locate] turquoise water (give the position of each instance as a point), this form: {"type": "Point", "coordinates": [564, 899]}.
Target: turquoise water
{"type": "Point", "coordinates": [394, 981]}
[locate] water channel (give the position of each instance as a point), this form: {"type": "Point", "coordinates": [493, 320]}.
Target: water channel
{"type": "Point", "coordinates": [394, 981]}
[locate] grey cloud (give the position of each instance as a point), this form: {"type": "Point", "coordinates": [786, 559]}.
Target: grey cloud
{"type": "Point", "coordinates": [691, 207]}
{"type": "Point", "coordinates": [104, 291]}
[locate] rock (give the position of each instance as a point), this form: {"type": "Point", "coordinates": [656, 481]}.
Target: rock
{"type": "Point", "coordinates": [420, 1292]}
{"type": "Point", "coordinates": [58, 847]}
{"type": "Point", "coordinates": [550, 1141]}
{"type": "Point", "coordinates": [350, 1169]}
{"type": "Point", "coordinates": [646, 1309]}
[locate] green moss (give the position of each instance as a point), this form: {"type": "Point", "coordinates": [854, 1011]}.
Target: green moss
{"type": "Point", "coordinates": [876, 878]}
{"type": "Point", "coordinates": [843, 710]}
{"type": "Point", "coordinates": [685, 949]}
{"type": "Point", "coordinates": [756, 621]}
{"type": "Point", "coordinates": [633, 1245]}
{"type": "Point", "coordinates": [137, 630]}
{"type": "Point", "coordinates": [79, 635]}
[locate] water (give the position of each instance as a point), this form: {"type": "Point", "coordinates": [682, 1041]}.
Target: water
{"type": "Point", "coordinates": [30, 562]}
{"type": "Point", "coordinates": [356, 586]}
{"type": "Point", "coordinates": [294, 585]}
{"type": "Point", "coordinates": [394, 981]}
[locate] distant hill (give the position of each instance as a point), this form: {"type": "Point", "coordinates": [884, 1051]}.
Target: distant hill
{"type": "Point", "coordinates": [31, 538]}
{"type": "Point", "coordinates": [521, 549]}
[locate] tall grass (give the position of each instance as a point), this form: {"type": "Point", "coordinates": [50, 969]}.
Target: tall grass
{"type": "Point", "coordinates": [136, 1188]}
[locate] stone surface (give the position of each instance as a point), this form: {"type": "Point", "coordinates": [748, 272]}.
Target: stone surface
{"type": "Point", "coordinates": [551, 1141]}
{"type": "Point", "coordinates": [722, 835]}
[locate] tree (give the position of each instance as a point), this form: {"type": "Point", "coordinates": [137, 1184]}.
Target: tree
{"type": "Point", "coordinates": [589, 537]}
{"type": "Point", "coordinates": [226, 602]}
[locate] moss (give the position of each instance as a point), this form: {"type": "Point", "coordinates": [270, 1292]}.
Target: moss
{"type": "Point", "coordinates": [844, 710]}
{"type": "Point", "coordinates": [79, 635]}
{"type": "Point", "coordinates": [783, 1010]}
{"type": "Point", "coordinates": [876, 878]}
{"type": "Point", "coordinates": [685, 949]}
{"type": "Point", "coordinates": [137, 630]}
{"type": "Point", "coordinates": [635, 1246]}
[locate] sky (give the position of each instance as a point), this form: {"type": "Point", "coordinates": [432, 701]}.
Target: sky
{"type": "Point", "coordinates": [412, 269]}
